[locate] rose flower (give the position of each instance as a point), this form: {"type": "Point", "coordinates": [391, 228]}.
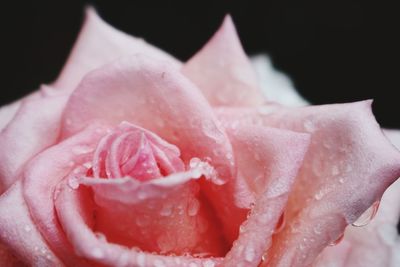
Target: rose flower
{"type": "Point", "coordinates": [132, 158]}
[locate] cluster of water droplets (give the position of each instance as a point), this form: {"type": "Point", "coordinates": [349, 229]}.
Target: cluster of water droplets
{"type": "Point", "coordinates": [199, 168]}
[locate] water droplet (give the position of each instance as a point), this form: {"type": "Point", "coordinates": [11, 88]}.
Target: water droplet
{"type": "Point", "coordinates": [193, 207]}
{"type": "Point", "coordinates": [73, 182]}
{"type": "Point", "coordinates": [166, 210]}
{"type": "Point", "coordinates": [337, 241]}
{"type": "Point", "coordinates": [309, 126]}
{"type": "Point", "coordinates": [317, 229]}
{"type": "Point", "coordinates": [208, 263]}
{"type": "Point", "coordinates": [193, 264]}
{"type": "Point", "coordinates": [241, 228]}
{"type": "Point", "coordinates": [341, 180]}
{"type": "Point", "coordinates": [158, 263]}
{"type": "Point", "coordinates": [141, 259]}
{"type": "Point", "coordinates": [335, 170]}
{"type": "Point", "coordinates": [264, 257]}
{"type": "Point", "coordinates": [142, 220]}
{"type": "Point", "coordinates": [249, 254]}
{"type": "Point", "coordinates": [82, 149]}
{"type": "Point", "coordinates": [97, 253]}
{"type": "Point", "coordinates": [100, 236]}
{"type": "Point", "coordinates": [27, 228]}
{"type": "Point", "coordinates": [319, 195]}
{"type": "Point", "coordinates": [68, 122]}
{"type": "Point", "coordinates": [280, 224]}
{"type": "Point", "coordinates": [367, 216]}
{"type": "Point", "coordinates": [194, 163]}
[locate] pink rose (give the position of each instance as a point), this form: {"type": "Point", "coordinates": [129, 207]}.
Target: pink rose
{"type": "Point", "coordinates": [132, 158]}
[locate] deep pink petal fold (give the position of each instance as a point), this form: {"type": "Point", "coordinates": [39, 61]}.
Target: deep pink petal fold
{"type": "Point", "coordinates": [223, 72]}
{"type": "Point", "coordinates": [35, 126]}
{"type": "Point", "coordinates": [40, 179]}
{"type": "Point", "coordinates": [96, 247]}
{"type": "Point", "coordinates": [347, 168]}
{"type": "Point", "coordinates": [154, 95]}
{"type": "Point", "coordinates": [19, 233]}
{"type": "Point", "coordinates": [268, 161]}
{"type": "Point", "coordinates": [98, 44]}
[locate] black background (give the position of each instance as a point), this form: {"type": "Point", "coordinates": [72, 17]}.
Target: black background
{"type": "Point", "coordinates": [335, 51]}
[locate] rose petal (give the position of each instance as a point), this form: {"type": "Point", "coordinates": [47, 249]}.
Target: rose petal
{"type": "Point", "coordinates": [19, 233]}
{"type": "Point", "coordinates": [276, 86]}
{"type": "Point", "coordinates": [157, 97]}
{"type": "Point", "coordinates": [7, 113]}
{"type": "Point", "coordinates": [156, 217]}
{"type": "Point", "coordinates": [7, 259]}
{"type": "Point", "coordinates": [34, 127]}
{"type": "Point", "coordinates": [98, 44]}
{"type": "Point", "coordinates": [42, 175]}
{"type": "Point", "coordinates": [348, 167]}
{"type": "Point", "coordinates": [99, 250]}
{"type": "Point", "coordinates": [376, 244]}
{"type": "Point", "coordinates": [222, 70]}
{"type": "Point", "coordinates": [268, 161]}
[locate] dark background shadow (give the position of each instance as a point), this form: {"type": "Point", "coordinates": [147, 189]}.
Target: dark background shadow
{"type": "Point", "coordinates": [335, 51]}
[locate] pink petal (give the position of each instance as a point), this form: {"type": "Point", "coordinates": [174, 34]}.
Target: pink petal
{"type": "Point", "coordinates": [347, 168]}
{"type": "Point", "coordinates": [97, 249]}
{"type": "Point", "coordinates": [157, 97]}
{"type": "Point", "coordinates": [222, 70]}
{"type": "Point", "coordinates": [41, 177]}
{"type": "Point", "coordinates": [7, 113]}
{"type": "Point", "coordinates": [34, 127]}
{"type": "Point", "coordinates": [276, 86]}
{"type": "Point", "coordinates": [376, 244]}
{"type": "Point", "coordinates": [98, 44]}
{"type": "Point", "coordinates": [7, 259]}
{"type": "Point", "coordinates": [19, 233]}
{"type": "Point", "coordinates": [268, 161]}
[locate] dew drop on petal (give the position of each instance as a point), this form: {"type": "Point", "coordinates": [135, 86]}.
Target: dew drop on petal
{"type": "Point", "coordinates": [319, 195]}
{"type": "Point", "coordinates": [73, 182]}
{"type": "Point", "coordinates": [193, 207]}
{"type": "Point", "coordinates": [158, 263]}
{"type": "Point", "coordinates": [97, 253]}
{"type": "Point", "coordinates": [100, 236]}
{"type": "Point", "coordinates": [166, 210]}
{"type": "Point", "coordinates": [208, 263]}
{"type": "Point", "coordinates": [337, 241]}
{"type": "Point", "coordinates": [249, 254]}
{"type": "Point", "coordinates": [367, 216]}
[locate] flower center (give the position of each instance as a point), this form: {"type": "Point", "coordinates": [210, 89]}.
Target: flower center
{"type": "Point", "coordinates": [137, 153]}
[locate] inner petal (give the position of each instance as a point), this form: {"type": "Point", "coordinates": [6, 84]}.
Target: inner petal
{"type": "Point", "coordinates": [137, 153]}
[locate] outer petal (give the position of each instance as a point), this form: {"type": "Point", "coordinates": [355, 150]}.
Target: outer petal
{"type": "Point", "coordinates": [223, 72]}
{"type": "Point", "coordinates": [35, 126]}
{"type": "Point", "coordinates": [7, 113]}
{"type": "Point", "coordinates": [268, 161]}
{"type": "Point", "coordinates": [43, 174]}
{"type": "Point", "coordinates": [276, 86]}
{"type": "Point", "coordinates": [347, 168]}
{"type": "Point", "coordinates": [378, 243]}
{"type": "Point", "coordinates": [98, 44]}
{"type": "Point", "coordinates": [157, 97]}
{"type": "Point", "coordinates": [19, 233]}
